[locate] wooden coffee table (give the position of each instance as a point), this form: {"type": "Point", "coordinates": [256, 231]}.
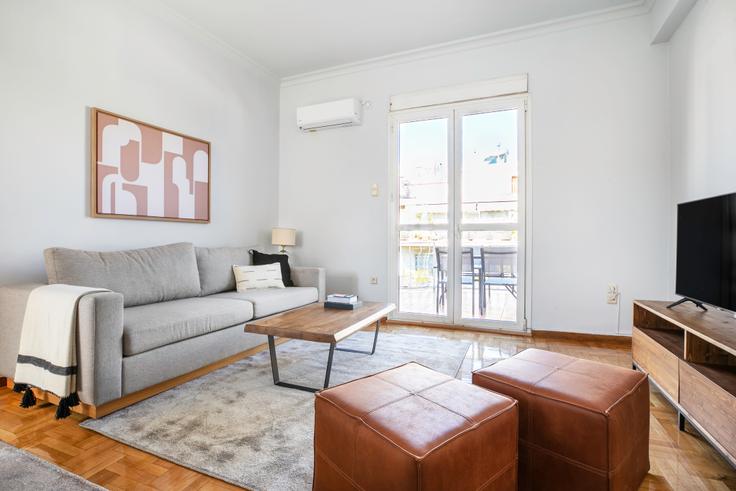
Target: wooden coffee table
{"type": "Point", "coordinates": [316, 323]}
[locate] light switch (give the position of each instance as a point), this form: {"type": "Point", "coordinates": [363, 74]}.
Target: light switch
{"type": "Point", "coordinates": [374, 190]}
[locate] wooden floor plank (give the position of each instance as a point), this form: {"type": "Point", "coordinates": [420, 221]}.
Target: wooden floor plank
{"type": "Point", "coordinates": [679, 460]}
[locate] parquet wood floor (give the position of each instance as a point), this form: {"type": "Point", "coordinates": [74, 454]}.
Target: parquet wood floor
{"type": "Point", "coordinates": [679, 460]}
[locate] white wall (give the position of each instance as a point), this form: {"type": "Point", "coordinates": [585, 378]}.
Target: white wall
{"type": "Point", "coordinates": [703, 98]}
{"type": "Point", "coordinates": [703, 105]}
{"type": "Point", "coordinates": [137, 59]}
{"type": "Point", "coordinates": [600, 198]}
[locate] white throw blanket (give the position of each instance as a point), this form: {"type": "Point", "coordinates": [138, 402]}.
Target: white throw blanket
{"type": "Point", "coordinates": [47, 358]}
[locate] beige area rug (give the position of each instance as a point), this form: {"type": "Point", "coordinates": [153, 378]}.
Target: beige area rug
{"type": "Point", "coordinates": [234, 424]}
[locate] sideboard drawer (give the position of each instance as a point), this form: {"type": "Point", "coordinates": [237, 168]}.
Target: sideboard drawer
{"type": "Point", "coordinates": [710, 405]}
{"type": "Point", "coordinates": [657, 361]}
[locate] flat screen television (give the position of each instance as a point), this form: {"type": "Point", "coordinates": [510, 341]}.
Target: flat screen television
{"type": "Point", "coordinates": [706, 251]}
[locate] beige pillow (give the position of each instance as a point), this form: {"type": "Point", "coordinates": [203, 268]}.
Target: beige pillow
{"type": "Point", "coordinates": [256, 277]}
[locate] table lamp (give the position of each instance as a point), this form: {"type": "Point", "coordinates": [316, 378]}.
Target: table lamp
{"type": "Point", "coordinates": [283, 237]}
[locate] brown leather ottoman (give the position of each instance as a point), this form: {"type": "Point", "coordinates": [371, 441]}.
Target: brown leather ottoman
{"type": "Point", "coordinates": [582, 424]}
{"type": "Point", "coordinates": [411, 428]}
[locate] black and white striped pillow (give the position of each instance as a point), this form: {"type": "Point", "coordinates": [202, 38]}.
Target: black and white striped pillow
{"type": "Point", "coordinates": [254, 277]}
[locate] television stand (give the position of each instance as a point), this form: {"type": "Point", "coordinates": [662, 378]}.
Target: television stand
{"type": "Point", "coordinates": [690, 355]}
{"type": "Point", "coordinates": [697, 303]}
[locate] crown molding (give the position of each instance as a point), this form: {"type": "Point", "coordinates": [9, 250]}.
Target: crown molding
{"type": "Point", "coordinates": [632, 9]}
{"type": "Point", "coordinates": [667, 17]}
{"type": "Point", "coordinates": [169, 14]}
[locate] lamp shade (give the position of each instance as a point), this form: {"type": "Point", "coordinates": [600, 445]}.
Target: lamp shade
{"type": "Point", "coordinates": [283, 236]}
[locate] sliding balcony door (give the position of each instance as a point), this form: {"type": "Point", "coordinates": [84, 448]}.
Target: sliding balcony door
{"type": "Point", "coordinates": [457, 238]}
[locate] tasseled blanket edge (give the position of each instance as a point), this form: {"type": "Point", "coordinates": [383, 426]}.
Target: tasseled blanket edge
{"type": "Point", "coordinates": [63, 410]}
{"type": "Point", "coordinates": [29, 398]}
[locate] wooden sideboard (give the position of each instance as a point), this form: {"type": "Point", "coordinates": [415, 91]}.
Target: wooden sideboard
{"type": "Point", "coordinates": [690, 355]}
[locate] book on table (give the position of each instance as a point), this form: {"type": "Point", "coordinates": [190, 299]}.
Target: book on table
{"type": "Point", "coordinates": [343, 306]}
{"type": "Point", "coordinates": [342, 298]}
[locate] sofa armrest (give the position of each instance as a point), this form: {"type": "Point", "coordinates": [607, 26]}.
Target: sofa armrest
{"type": "Point", "coordinates": [13, 300]}
{"type": "Point", "coordinates": [100, 345]}
{"type": "Point", "coordinates": [305, 276]}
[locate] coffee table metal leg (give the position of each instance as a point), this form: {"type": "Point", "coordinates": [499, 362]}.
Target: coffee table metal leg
{"type": "Point", "coordinates": [328, 372]}
{"type": "Point", "coordinates": [329, 365]}
{"type": "Point", "coordinates": [275, 368]}
{"type": "Point", "coordinates": [375, 340]}
{"type": "Point", "coordinates": [375, 336]}
{"type": "Point", "coordinates": [274, 363]}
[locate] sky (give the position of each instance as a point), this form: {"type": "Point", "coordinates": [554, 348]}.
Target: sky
{"type": "Point", "coordinates": [423, 148]}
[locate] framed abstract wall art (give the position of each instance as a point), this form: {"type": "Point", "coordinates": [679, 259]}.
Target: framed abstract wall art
{"type": "Point", "coordinates": [142, 171]}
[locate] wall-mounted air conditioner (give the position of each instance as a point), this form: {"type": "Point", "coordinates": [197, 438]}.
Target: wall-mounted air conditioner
{"type": "Point", "coordinates": [345, 112]}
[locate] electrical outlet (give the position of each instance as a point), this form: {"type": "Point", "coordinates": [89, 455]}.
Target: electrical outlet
{"type": "Point", "coordinates": [613, 294]}
{"type": "Point", "coordinates": [374, 280]}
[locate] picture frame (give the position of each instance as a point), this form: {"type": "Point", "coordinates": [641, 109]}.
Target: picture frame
{"type": "Point", "coordinates": [142, 171]}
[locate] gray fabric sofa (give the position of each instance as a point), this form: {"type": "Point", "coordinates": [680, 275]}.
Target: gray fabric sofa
{"type": "Point", "coordinates": [172, 309]}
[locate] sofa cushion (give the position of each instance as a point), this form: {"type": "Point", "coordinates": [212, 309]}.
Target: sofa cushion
{"type": "Point", "coordinates": [216, 267]}
{"type": "Point", "coordinates": [146, 327]}
{"type": "Point", "coordinates": [269, 301]}
{"type": "Point", "coordinates": [143, 276]}
{"type": "Point", "coordinates": [257, 277]}
{"type": "Point", "coordinates": [144, 370]}
{"type": "Point", "coordinates": [260, 259]}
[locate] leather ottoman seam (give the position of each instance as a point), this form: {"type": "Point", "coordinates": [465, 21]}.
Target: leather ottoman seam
{"type": "Point", "coordinates": [631, 391]}
{"type": "Point", "coordinates": [473, 422]}
{"type": "Point", "coordinates": [411, 392]}
{"type": "Point", "coordinates": [537, 362]}
{"type": "Point", "coordinates": [480, 373]}
{"type": "Point", "coordinates": [377, 375]}
{"type": "Point", "coordinates": [394, 401]}
{"type": "Point", "coordinates": [337, 469]}
{"type": "Point", "coordinates": [493, 478]}
{"type": "Point", "coordinates": [537, 394]}
{"type": "Point", "coordinates": [570, 461]}
{"type": "Point", "coordinates": [447, 409]}
{"type": "Point", "coordinates": [419, 457]}
{"type": "Point", "coordinates": [369, 376]}
{"type": "Point", "coordinates": [349, 415]}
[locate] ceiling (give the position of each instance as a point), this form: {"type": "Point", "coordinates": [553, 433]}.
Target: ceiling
{"type": "Point", "coordinates": [290, 37]}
